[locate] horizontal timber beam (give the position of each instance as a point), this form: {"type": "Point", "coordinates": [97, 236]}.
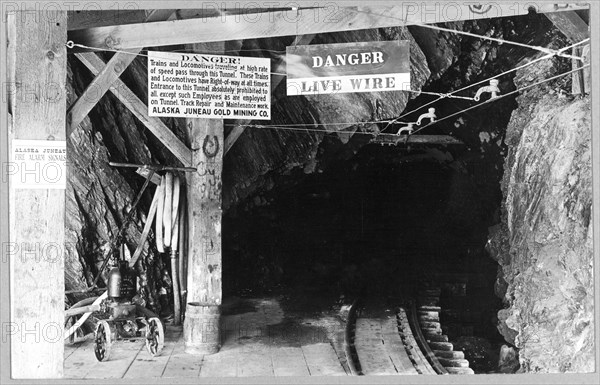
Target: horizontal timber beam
{"type": "Point", "coordinates": [97, 18]}
{"type": "Point", "coordinates": [103, 18]}
{"type": "Point", "coordinates": [140, 110]}
{"type": "Point", "coordinates": [145, 172]}
{"type": "Point", "coordinates": [289, 23]}
{"type": "Point", "coordinates": [389, 139]}
{"type": "Point", "coordinates": [570, 24]}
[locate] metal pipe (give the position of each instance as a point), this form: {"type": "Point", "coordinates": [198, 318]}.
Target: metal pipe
{"type": "Point", "coordinates": [176, 292]}
{"type": "Point", "coordinates": [155, 167]}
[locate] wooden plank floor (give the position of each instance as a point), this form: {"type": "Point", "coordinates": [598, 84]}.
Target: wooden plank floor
{"type": "Point", "coordinates": [247, 351]}
{"type": "Point", "coordinates": [379, 346]}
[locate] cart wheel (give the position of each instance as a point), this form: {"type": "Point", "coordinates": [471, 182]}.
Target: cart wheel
{"type": "Point", "coordinates": [155, 337]}
{"type": "Point", "coordinates": [103, 341]}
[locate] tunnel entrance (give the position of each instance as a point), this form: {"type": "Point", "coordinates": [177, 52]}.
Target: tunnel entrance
{"type": "Point", "coordinates": [383, 224]}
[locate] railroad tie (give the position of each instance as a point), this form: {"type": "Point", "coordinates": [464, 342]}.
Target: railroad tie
{"type": "Point", "coordinates": [455, 370]}
{"type": "Point", "coordinates": [428, 315]}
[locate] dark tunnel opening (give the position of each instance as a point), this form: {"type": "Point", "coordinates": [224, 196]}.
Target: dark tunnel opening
{"type": "Point", "coordinates": [383, 224]}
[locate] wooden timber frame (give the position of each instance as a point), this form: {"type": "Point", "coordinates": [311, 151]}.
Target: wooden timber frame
{"type": "Point", "coordinates": [37, 51]}
{"type": "Point", "coordinates": [201, 331]}
{"type": "Point", "coordinates": [575, 29]}
{"type": "Point", "coordinates": [39, 67]}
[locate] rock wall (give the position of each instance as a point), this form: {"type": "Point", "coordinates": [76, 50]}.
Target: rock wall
{"type": "Point", "coordinates": [99, 196]}
{"type": "Point", "coordinates": [544, 241]}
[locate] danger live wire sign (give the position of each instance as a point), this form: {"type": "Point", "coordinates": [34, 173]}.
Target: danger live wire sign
{"type": "Point", "coordinates": [191, 85]}
{"type": "Point", "coordinates": [348, 67]}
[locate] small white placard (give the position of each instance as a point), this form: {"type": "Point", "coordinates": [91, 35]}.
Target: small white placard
{"type": "Point", "coordinates": [188, 85]}
{"type": "Point", "coordinates": [38, 164]}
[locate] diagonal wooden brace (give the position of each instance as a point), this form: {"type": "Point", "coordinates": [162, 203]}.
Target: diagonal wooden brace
{"type": "Point", "coordinates": [107, 76]}
{"type": "Point", "coordinates": [98, 87]}
{"type": "Point", "coordinates": [140, 110]}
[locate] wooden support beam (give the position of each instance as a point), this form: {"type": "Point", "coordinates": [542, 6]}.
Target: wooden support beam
{"type": "Point", "coordinates": [390, 139]}
{"type": "Point", "coordinates": [98, 87]}
{"type": "Point", "coordinates": [139, 109]}
{"type": "Point", "coordinates": [144, 172]}
{"type": "Point", "coordinates": [240, 125]}
{"type": "Point", "coordinates": [235, 133]}
{"type": "Point", "coordinates": [289, 23]}
{"type": "Point", "coordinates": [570, 24]}
{"type": "Point", "coordinates": [575, 29]}
{"type": "Point", "coordinates": [581, 79]}
{"type": "Point", "coordinates": [107, 17]}
{"type": "Point", "coordinates": [36, 215]}
{"type": "Point", "coordinates": [201, 328]}
{"type": "Point", "coordinates": [96, 17]}
{"type": "Point", "coordinates": [107, 76]}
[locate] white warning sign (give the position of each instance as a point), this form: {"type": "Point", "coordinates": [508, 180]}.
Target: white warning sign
{"type": "Point", "coordinates": [191, 85]}
{"type": "Point", "coordinates": [38, 164]}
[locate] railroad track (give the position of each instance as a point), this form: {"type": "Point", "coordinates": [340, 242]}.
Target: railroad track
{"type": "Point", "coordinates": [399, 341]}
{"type": "Point", "coordinates": [428, 324]}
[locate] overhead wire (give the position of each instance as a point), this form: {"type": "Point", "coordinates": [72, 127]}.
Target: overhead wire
{"type": "Point", "coordinates": [70, 44]}
{"type": "Point", "coordinates": [502, 96]}
{"type": "Point", "coordinates": [295, 127]}
{"type": "Point", "coordinates": [549, 54]}
{"type": "Point", "coordinates": [442, 95]}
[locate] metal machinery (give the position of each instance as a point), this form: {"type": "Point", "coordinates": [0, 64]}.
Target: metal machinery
{"type": "Point", "coordinates": [121, 318]}
{"type": "Point", "coordinates": [126, 320]}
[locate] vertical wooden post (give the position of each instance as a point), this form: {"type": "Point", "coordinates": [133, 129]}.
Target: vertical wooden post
{"type": "Point", "coordinates": [37, 47]}
{"type": "Point", "coordinates": [201, 328]}
{"type": "Point", "coordinates": [576, 30]}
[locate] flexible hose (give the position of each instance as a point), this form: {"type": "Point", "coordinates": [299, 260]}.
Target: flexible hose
{"type": "Point", "coordinates": [167, 209]}
{"type": "Point", "coordinates": [159, 216]}
{"type": "Point", "coordinates": [182, 247]}
{"type": "Point", "coordinates": [147, 227]}
{"type": "Point", "coordinates": [83, 302]}
{"type": "Point", "coordinates": [84, 317]}
{"type": "Point", "coordinates": [174, 253]}
{"type": "Point", "coordinates": [80, 310]}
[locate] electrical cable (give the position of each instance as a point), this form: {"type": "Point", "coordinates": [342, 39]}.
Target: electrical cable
{"type": "Point", "coordinates": [502, 96]}
{"type": "Point", "coordinates": [490, 78]}
{"type": "Point", "coordinates": [70, 44]}
{"type": "Point", "coordinates": [296, 127]}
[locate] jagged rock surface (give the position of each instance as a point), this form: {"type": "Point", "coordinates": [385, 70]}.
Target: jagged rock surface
{"type": "Point", "coordinates": [544, 243]}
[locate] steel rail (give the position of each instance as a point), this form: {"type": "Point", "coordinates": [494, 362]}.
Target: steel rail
{"type": "Point", "coordinates": [422, 341]}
